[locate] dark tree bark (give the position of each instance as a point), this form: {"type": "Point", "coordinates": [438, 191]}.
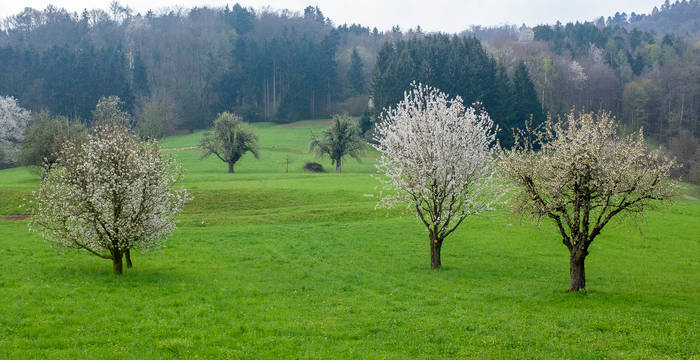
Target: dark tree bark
{"type": "Point", "coordinates": [230, 168]}
{"type": "Point", "coordinates": [577, 270]}
{"type": "Point", "coordinates": [117, 263]}
{"type": "Point", "coordinates": [127, 254]}
{"type": "Point", "coordinates": [337, 166]}
{"type": "Point", "coordinates": [435, 246]}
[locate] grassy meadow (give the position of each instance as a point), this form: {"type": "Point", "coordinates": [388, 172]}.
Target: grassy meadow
{"type": "Point", "coordinates": [269, 264]}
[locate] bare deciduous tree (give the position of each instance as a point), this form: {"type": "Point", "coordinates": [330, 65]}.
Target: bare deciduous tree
{"type": "Point", "coordinates": [583, 175]}
{"type": "Point", "coordinates": [438, 158]}
{"type": "Point", "coordinates": [108, 195]}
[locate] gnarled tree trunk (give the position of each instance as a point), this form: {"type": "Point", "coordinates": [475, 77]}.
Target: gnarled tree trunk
{"type": "Point", "coordinates": [577, 270]}
{"type": "Point", "coordinates": [230, 168]}
{"type": "Point", "coordinates": [337, 166]}
{"type": "Point", "coordinates": [117, 262]}
{"type": "Point", "coordinates": [435, 246]}
{"type": "Point", "coordinates": [127, 254]}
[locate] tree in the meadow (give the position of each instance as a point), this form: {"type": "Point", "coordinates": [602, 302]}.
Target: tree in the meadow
{"type": "Point", "coordinates": [110, 109]}
{"type": "Point", "coordinates": [230, 140]}
{"type": "Point", "coordinates": [108, 195]}
{"type": "Point", "coordinates": [437, 157]}
{"type": "Point", "coordinates": [584, 174]}
{"type": "Point", "coordinates": [340, 140]}
{"type": "Point", "coordinates": [45, 137]}
{"type": "Point", "coordinates": [13, 122]}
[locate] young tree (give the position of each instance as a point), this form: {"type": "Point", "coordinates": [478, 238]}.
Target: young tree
{"type": "Point", "coordinates": [438, 157]}
{"type": "Point", "coordinates": [45, 137]}
{"type": "Point", "coordinates": [108, 195]}
{"type": "Point", "coordinates": [13, 122]}
{"type": "Point", "coordinates": [340, 140]}
{"type": "Point", "coordinates": [109, 109]}
{"type": "Point", "coordinates": [584, 174]}
{"type": "Point", "coordinates": [230, 140]}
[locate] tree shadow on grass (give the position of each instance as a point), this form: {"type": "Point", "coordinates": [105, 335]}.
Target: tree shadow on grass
{"type": "Point", "coordinates": [87, 273]}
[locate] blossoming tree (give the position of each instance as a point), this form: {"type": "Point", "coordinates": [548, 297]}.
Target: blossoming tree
{"type": "Point", "coordinates": [437, 156]}
{"type": "Point", "coordinates": [584, 174]}
{"type": "Point", "coordinates": [108, 195]}
{"type": "Point", "coordinates": [13, 122]}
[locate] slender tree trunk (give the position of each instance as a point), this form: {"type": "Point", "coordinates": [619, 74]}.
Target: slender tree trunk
{"type": "Point", "coordinates": [435, 246]}
{"type": "Point", "coordinates": [577, 270]}
{"type": "Point", "coordinates": [127, 255]}
{"type": "Point", "coordinates": [337, 166]}
{"type": "Point", "coordinates": [117, 263]}
{"type": "Point", "coordinates": [230, 168]}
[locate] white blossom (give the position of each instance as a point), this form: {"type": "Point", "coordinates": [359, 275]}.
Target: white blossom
{"type": "Point", "coordinates": [13, 123]}
{"type": "Point", "coordinates": [581, 172]}
{"type": "Point", "coordinates": [108, 195]}
{"type": "Point", "coordinates": [438, 158]}
{"type": "Point", "coordinates": [577, 73]}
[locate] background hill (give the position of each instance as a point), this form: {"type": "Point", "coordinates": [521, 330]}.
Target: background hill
{"type": "Point", "coordinates": [181, 67]}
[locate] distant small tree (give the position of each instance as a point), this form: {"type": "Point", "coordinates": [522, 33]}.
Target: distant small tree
{"type": "Point", "coordinates": [151, 121]}
{"type": "Point", "coordinates": [230, 140]}
{"type": "Point", "coordinates": [287, 160]}
{"type": "Point", "coordinates": [13, 122]}
{"type": "Point", "coordinates": [108, 195]}
{"type": "Point", "coordinates": [46, 135]}
{"type": "Point", "coordinates": [366, 122]}
{"type": "Point", "coordinates": [584, 174]}
{"type": "Point", "coordinates": [437, 157]}
{"type": "Point", "coordinates": [110, 109]}
{"type": "Point", "coordinates": [340, 140]}
{"type": "Point", "coordinates": [157, 117]}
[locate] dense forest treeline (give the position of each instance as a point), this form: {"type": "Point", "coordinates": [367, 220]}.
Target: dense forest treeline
{"type": "Point", "coordinates": [176, 69]}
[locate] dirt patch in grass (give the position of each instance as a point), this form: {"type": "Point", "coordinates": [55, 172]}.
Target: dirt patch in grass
{"type": "Point", "coordinates": [184, 148]}
{"type": "Point", "coordinates": [15, 217]}
{"type": "Point", "coordinates": [307, 123]}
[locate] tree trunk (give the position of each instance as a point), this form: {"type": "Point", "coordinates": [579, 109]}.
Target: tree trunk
{"type": "Point", "coordinates": [577, 270]}
{"type": "Point", "coordinates": [435, 246]}
{"type": "Point", "coordinates": [337, 166]}
{"type": "Point", "coordinates": [127, 254]}
{"type": "Point", "coordinates": [117, 262]}
{"type": "Point", "coordinates": [230, 168]}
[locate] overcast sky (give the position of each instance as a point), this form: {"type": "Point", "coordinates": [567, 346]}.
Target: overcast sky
{"type": "Point", "coordinates": [432, 15]}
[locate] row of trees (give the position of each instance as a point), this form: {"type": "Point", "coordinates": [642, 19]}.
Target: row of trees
{"type": "Point", "coordinates": [178, 68]}
{"type": "Point", "coordinates": [459, 66]}
{"type": "Point", "coordinates": [111, 192]}
{"type": "Point", "coordinates": [441, 160]}
{"type": "Point", "coordinates": [231, 138]}
{"type": "Point", "coordinates": [643, 78]}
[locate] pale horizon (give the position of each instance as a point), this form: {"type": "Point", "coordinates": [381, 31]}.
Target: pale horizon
{"type": "Point", "coordinates": [442, 15]}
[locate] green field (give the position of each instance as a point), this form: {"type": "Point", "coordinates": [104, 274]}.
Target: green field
{"type": "Point", "coordinates": [268, 264]}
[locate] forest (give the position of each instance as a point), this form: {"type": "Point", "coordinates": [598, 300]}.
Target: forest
{"type": "Point", "coordinates": [176, 69]}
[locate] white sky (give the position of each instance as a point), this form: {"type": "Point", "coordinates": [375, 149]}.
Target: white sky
{"type": "Point", "coordinates": [433, 15]}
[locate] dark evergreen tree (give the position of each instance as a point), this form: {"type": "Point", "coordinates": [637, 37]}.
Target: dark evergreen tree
{"type": "Point", "coordinates": [356, 77]}
{"type": "Point", "coordinates": [526, 106]}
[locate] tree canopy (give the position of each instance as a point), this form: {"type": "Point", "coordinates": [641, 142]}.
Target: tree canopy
{"type": "Point", "coordinates": [341, 139]}
{"type": "Point", "coordinates": [230, 139]}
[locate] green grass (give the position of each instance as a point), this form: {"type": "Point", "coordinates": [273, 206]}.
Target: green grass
{"type": "Point", "coordinates": [268, 264]}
